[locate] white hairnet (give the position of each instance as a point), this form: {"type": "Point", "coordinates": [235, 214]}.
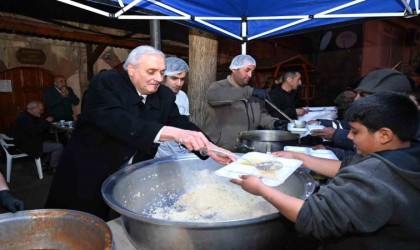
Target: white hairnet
{"type": "Point", "coordinates": [175, 66]}
{"type": "Point", "coordinates": [241, 61]}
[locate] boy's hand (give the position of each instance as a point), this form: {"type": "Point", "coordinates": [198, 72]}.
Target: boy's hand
{"type": "Point", "coordinates": [285, 154]}
{"type": "Point", "coordinates": [249, 183]}
{"type": "Point", "coordinates": [326, 133]}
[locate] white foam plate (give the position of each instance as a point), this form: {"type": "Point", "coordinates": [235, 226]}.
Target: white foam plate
{"type": "Point", "coordinates": [330, 108]}
{"type": "Point", "coordinates": [270, 178]}
{"type": "Point", "coordinates": [292, 129]}
{"type": "Point", "coordinates": [320, 153]}
{"type": "Point", "coordinates": [304, 150]}
{"type": "Point", "coordinates": [315, 108]}
{"type": "Point", "coordinates": [324, 153]}
{"type": "Point", "coordinates": [312, 127]}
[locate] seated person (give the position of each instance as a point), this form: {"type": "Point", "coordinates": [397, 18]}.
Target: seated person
{"type": "Point", "coordinates": [283, 96]}
{"type": "Point", "coordinates": [336, 130]}
{"type": "Point", "coordinates": [7, 200]}
{"type": "Point", "coordinates": [59, 100]}
{"type": "Point", "coordinates": [373, 199]}
{"type": "Point", "coordinates": [29, 132]}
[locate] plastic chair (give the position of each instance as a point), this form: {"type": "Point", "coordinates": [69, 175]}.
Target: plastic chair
{"type": "Point", "coordinates": [13, 153]}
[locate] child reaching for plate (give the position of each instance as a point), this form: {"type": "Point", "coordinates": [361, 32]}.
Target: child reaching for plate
{"type": "Point", "coordinates": [373, 199]}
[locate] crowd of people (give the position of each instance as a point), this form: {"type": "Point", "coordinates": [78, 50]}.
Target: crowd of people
{"type": "Point", "coordinates": [141, 113]}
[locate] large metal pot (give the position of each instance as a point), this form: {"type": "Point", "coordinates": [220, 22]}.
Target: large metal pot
{"type": "Point", "coordinates": [132, 190]}
{"type": "Point", "coordinates": [265, 140]}
{"type": "Point", "coordinates": [53, 229]}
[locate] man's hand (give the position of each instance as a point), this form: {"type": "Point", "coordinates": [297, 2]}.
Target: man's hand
{"type": "Point", "coordinates": [326, 133]}
{"type": "Point", "coordinates": [64, 92]}
{"type": "Point", "coordinates": [313, 122]}
{"type": "Point", "coordinates": [261, 93]}
{"type": "Point", "coordinates": [49, 119]}
{"type": "Point", "coordinates": [192, 140]}
{"type": "Point", "coordinates": [301, 111]}
{"type": "Point", "coordinates": [220, 158]}
{"type": "Point", "coordinates": [8, 201]}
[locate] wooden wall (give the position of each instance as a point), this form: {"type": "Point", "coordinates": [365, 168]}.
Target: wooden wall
{"type": "Point", "coordinates": [28, 83]}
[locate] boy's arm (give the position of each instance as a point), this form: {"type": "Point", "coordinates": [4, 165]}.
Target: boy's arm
{"type": "Point", "coordinates": [326, 167]}
{"type": "Point", "coordinates": [287, 205]}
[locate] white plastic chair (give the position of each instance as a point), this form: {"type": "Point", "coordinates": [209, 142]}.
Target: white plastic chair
{"type": "Point", "coordinates": [4, 136]}
{"type": "Point", "coordinates": [13, 153]}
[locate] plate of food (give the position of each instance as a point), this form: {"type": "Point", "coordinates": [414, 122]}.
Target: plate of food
{"type": "Point", "coordinates": [281, 168]}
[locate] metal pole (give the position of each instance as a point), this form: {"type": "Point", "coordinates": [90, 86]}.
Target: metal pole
{"type": "Point", "coordinates": [155, 34]}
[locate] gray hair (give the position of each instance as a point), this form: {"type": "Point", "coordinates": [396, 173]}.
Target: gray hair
{"type": "Point", "coordinates": [136, 54]}
{"type": "Point", "coordinates": [290, 74]}
{"type": "Point", "coordinates": [33, 104]}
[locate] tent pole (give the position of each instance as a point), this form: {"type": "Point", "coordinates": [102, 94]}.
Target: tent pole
{"type": "Point", "coordinates": [155, 34]}
{"type": "Point", "coordinates": [244, 29]}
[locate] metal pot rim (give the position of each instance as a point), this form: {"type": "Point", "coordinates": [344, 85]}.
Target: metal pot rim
{"type": "Point", "coordinates": [251, 134]}
{"type": "Point", "coordinates": [111, 181]}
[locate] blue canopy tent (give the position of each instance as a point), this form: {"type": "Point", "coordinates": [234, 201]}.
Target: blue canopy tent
{"type": "Point", "coordinates": [247, 20]}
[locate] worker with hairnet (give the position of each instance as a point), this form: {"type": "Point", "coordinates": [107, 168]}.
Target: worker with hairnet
{"type": "Point", "coordinates": [233, 106]}
{"type": "Point", "coordinates": [174, 78]}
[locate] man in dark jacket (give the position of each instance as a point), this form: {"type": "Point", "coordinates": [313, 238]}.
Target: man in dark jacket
{"type": "Point", "coordinates": [29, 132]}
{"type": "Point", "coordinates": [283, 95]}
{"type": "Point", "coordinates": [59, 100]}
{"type": "Point", "coordinates": [125, 117]}
{"type": "Point", "coordinates": [374, 82]}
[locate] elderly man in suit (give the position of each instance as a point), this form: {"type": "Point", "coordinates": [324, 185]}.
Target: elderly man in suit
{"type": "Point", "coordinates": [125, 117]}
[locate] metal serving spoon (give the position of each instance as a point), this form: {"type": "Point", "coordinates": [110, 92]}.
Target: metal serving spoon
{"type": "Point", "coordinates": [262, 166]}
{"type": "Point", "coordinates": [298, 124]}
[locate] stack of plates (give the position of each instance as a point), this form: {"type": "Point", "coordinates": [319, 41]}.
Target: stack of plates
{"type": "Point", "coordinates": [320, 153]}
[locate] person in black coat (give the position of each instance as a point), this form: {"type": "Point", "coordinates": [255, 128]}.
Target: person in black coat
{"type": "Point", "coordinates": [283, 95]}
{"type": "Point", "coordinates": [125, 117]}
{"type": "Point", "coordinates": [29, 132]}
{"type": "Point", "coordinates": [59, 100]}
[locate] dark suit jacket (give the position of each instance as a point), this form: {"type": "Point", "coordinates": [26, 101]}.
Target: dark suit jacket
{"type": "Point", "coordinates": [60, 107]}
{"type": "Point", "coordinates": [114, 125]}
{"type": "Point", "coordinates": [28, 133]}
{"type": "Point", "coordinates": [283, 100]}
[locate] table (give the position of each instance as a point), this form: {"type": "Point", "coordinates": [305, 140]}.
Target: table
{"type": "Point", "coordinates": [119, 238]}
{"type": "Point", "coordinates": [56, 128]}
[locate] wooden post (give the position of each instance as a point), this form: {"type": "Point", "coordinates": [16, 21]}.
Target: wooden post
{"type": "Point", "coordinates": [203, 65]}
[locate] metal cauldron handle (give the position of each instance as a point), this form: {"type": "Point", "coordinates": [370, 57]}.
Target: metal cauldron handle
{"type": "Point", "coordinates": [244, 147]}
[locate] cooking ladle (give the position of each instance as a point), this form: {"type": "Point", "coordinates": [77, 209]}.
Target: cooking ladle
{"type": "Point", "coordinates": [298, 124]}
{"type": "Point", "coordinates": [261, 166]}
